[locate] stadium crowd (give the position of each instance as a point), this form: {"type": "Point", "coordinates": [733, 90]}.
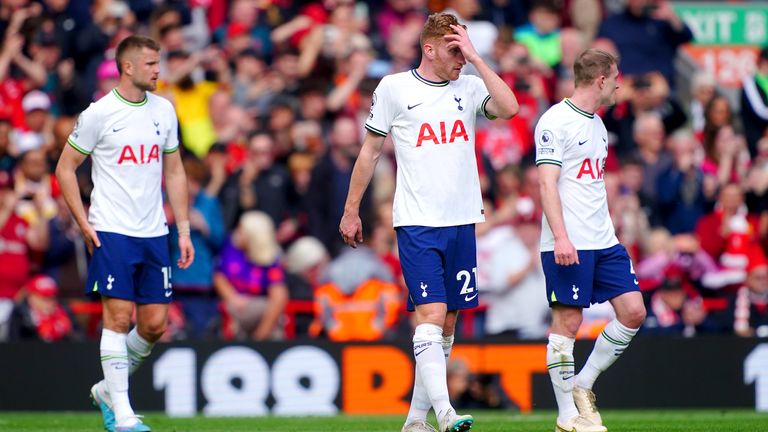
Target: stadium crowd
{"type": "Point", "coordinates": [271, 97]}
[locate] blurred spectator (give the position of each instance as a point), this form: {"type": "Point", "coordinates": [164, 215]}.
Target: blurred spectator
{"type": "Point", "coordinates": [193, 287]}
{"type": "Point", "coordinates": [252, 87]}
{"type": "Point", "coordinates": [682, 253]}
{"type": "Point", "coordinates": [328, 43]}
{"type": "Point", "coordinates": [703, 87]}
{"type": "Point", "coordinates": [17, 239]}
{"type": "Point", "coordinates": [191, 98]}
{"type": "Point", "coordinates": [647, 93]}
{"type": "Point", "coordinates": [250, 280]}
{"type": "Point", "coordinates": [261, 184]}
{"type": "Point", "coordinates": [684, 193]}
{"type": "Point", "coordinates": [245, 28]}
{"type": "Point", "coordinates": [36, 134]}
{"type": "Point", "coordinates": [504, 13]}
{"type": "Point", "coordinates": [330, 183]}
{"type": "Point", "coordinates": [754, 103]}
{"type": "Point", "coordinates": [756, 187]}
{"type": "Point", "coordinates": [672, 311]}
{"type": "Point", "coordinates": [65, 26]}
{"type": "Point", "coordinates": [471, 391]}
{"type": "Point", "coordinates": [728, 233]}
{"type": "Point", "coordinates": [39, 315]}
{"type": "Point", "coordinates": [516, 305]}
{"type": "Point", "coordinates": [7, 160]}
{"type": "Point", "coordinates": [36, 188]}
{"type": "Point", "coordinates": [648, 133]}
{"type": "Point", "coordinates": [542, 33]}
{"type": "Point", "coordinates": [231, 123]}
{"type": "Point", "coordinates": [749, 307]}
{"type": "Point", "coordinates": [647, 35]}
{"type": "Point", "coordinates": [358, 301]}
{"type": "Point", "coordinates": [305, 262]}
{"type": "Point", "coordinates": [629, 219]}
{"type": "Point", "coordinates": [726, 155]}
{"type": "Point", "coordinates": [108, 77]}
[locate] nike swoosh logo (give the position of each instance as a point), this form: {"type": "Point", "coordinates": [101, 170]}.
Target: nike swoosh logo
{"type": "Point", "coordinates": [168, 293]}
{"type": "Point", "coordinates": [567, 378]}
{"type": "Point", "coordinates": [582, 142]}
{"type": "Point", "coordinates": [636, 283]}
{"type": "Point", "coordinates": [468, 298]}
{"type": "Point", "coordinates": [419, 352]}
{"type": "Point", "coordinates": [118, 130]}
{"type": "Point", "coordinates": [410, 107]}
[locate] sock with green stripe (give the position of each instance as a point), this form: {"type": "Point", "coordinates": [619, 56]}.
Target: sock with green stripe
{"type": "Point", "coordinates": [608, 347]}
{"type": "Point", "coordinates": [114, 363]}
{"type": "Point", "coordinates": [138, 350]}
{"type": "Point", "coordinates": [561, 370]}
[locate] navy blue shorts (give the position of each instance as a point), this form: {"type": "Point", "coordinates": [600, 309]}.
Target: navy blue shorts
{"type": "Point", "coordinates": [601, 275]}
{"type": "Point", "coordinates": [131, 268]}
{"type": "Point", "coordinates": [439, 265]}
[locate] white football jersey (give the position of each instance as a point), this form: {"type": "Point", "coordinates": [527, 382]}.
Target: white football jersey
{"type": "Point", "coordinates": [576, 141]}
{"type": "Point", "coordinates": [433, 128]}
{"type": "Point", "coordinates": [126, 142]}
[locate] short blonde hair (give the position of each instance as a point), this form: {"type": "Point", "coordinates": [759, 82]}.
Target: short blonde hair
{"type": "Point", "coordinates": [439, 25]}
{"type": "Point", "coordinates": [258, 234]}
{"type": "Point", "coordinates": [591, 64]}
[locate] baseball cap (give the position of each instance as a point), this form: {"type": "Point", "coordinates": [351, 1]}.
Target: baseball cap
{"type": "Point", "coordinates": [107, 70]}
{"type": "Point", "coordinates": [35, 100]}
{"type": "Point", "coordinates": [236, 29]}
{"type": "Point", "coordinates": [304, 253]}
{"type": "Point", "coordinates": [43, 286]}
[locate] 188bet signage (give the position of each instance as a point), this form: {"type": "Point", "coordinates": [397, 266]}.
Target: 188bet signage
{"type": "Point", "coordinates": [220, 379]}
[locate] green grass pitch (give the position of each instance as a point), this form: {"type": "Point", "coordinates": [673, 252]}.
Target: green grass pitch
{"type": "Point", "coordinates": [485, 421]}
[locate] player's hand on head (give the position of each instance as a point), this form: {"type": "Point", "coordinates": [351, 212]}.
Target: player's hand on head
{"type": "Point", "coordinates": [351, 229]}
{"type": "Point", "coordinates": [461, 40]}
{"type": "Point", "coordinates": [187, 252]}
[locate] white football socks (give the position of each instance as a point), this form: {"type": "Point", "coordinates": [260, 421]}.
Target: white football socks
{"type": "Point", "coordinates": [430, 364]}
{"type": "Point", "coordinates": [138, 350]}
{"type": "Point", "coordinates": [420, 403]}
{"type": "Point", "coordinates": [114, 363]}
{"type": "Point", "coordinates": [608, 347]}
{"type": "Point", "coordinates": [561, 371]}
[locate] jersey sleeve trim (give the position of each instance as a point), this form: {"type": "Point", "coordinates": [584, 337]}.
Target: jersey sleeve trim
{"type": "Point", "coordinates": [77, 147]}
{"type": "Point", "coordinates": [374, 130]}
{"type": "Point", "coordinates": [548, 162]}
{"type": "Point", "coordinates": [487, 115]}
{"type": "Point", "coordinates": [173, 150]}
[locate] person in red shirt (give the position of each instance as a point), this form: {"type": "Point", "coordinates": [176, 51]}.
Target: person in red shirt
{"type": "Point", "coordinates": [17, 240]}
{"type": "Point", "coordinates": [728, 232]}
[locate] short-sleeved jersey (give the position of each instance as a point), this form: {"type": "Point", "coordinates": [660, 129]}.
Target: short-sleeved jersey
{"type": "Point", "coordinates": [433, 129]}
{"type": "Point", "coordinates": [126, 142]}
{"type": "Point", "coordinates": [576, 141]}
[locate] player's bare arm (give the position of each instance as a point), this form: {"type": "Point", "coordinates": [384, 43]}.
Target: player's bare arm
{"type": "Point", "coordinates": [565, 252]}
{"type": "Point", "coordinates": [69, 160]}
{"type": "Point", "coordinates": [351, 227]}
{"type": "Point", "coordinates": [178, 196]}
{"type": "Point", "coordinates": [503, 102]}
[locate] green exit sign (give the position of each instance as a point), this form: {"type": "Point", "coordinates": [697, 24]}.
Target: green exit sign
{"type": "Point", "coordinates": [726, 24]}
